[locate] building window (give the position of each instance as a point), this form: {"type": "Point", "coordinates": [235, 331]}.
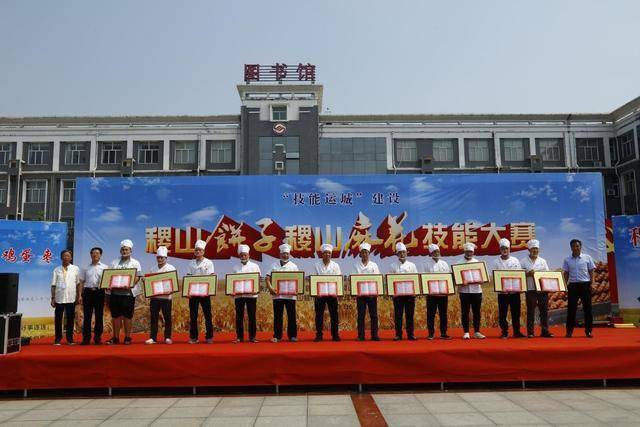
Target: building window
{"type": "Point", "coordinates": [279, 113]}
{"type": "Point", "coordinates": [347, 156]}
{"type": "Point", "coordinates": [36, 191]}
{"type": "Point", "coordinates": [37, 153]}
{"type": "Point", "coordinates": [406, 151]}
{"type": "Point", "coordinates": [613, 150]}
{"type": "Point", "coordinates": [111, 153]}
{"type": "Point", "coordinates": [626, 145]}
{"type": "Point", "coordinates": [478, 150]}
{"type": "Point", "coordinates": [68, 191]}
{"type": "Point", "coordinates": [629, 183]}
{"type": "Point", "coordinates": [221, 152]}
{"type": "Point", "coordinates": [443, 151]}
{"type": "Point", "coordinates": [148, 153]}
{"type": "Point", "coordinates": [513, 149]}
{"type": "Point", "coordinates": [74, 153]}
{"type": "Point", "coordinates": [550, 149]}
{"type": "Point", "coordinates": [588, 149]}
{"type": "Point", "coordinates": [3, 192]}
{"type": "Point", "coordinates": [185, 152]}
{"type": "Point", "coordinates": [5, 153]}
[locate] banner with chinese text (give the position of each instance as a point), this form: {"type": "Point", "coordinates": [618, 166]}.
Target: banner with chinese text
{"type": "Point", "coordinates": [306, 211]}
{"type": "Point", "coordinates": [32, 249]}
{"type": "Point", "coordinates": [626, 239]}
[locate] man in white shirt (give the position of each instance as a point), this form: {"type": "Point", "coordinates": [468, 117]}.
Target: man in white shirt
{"type": "Point", "coordinates": [160, 302]}
{"type": "Point", "coordinates": [508, 300]}
{"type": "Point", "coordinates": [200, 266]}
{"type": "Point", "coordinates": [579, 270]}
{"type": "Point", "coordinates": [470, 298]}
{"type": "Point", "coordinates": [280, 302]}
{"type": "Point", "coordinates": [364, 303]}
{"type": "Point", "coordinates": [403, 303]}
{"type": "Point", "coordinates": [327, 267]}
{"type": "Point", "coordinates": [245, 266]}
{"type": "Point", "coordinates": [92, 297]}
{"type": "Point", "coordinates": [122, 301]}
{"type": "Point", "coordinates": [532, 263]}
{"type": "Point", "coordinates": [65, 294]}
{"type": "Point", "coordinates": [437, 303]}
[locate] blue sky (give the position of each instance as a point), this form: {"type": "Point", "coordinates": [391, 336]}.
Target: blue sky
{"type": "Point", "coordinates": [627, 260]}
{"type": "Point", "coordinates": [563, 206]}
{"type": "Point", "coordinates": [119, 57]}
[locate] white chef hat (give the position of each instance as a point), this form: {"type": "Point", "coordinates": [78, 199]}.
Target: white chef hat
{"type": "Point", "coordinates": [504, 243]}
{"type": "Point", "coordinates": [285, 248]}
{"type": "Point", "coordinates": [365, 246]}
{"type": "Point", "coordinates": [126, 243]}
{"type": "Point", "coordinates": [326, 248]}
{"type": "Point", "coordinates": [469, 246]}
{"type": "Point", "coordinates": [162, 251]}
{"type": "Point", "coordinates": [400, 247]}
{"type": "Point", "coordinates": [200, 244]}
{"type": "Point", "coordinates": [533, 244]}
{"type": "Point", "coordinates": [243, 249]}
{"type": "Point", "coordinates": [433, 247]}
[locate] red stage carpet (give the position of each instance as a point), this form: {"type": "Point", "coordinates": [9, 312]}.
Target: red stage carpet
{"type": "Point", "coordinates": [612, 354]}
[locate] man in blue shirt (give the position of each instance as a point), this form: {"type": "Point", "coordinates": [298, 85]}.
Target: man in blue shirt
{"type": "Point", "coordinates": [579, 274]}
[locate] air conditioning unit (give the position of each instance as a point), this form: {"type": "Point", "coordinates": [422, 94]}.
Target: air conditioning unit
{"type": "Point", "coordinates": [15, 167]}
{"type": "Point", "coordinates": [278, 166]}
{"type": "Point", "coordinates": [535, 163]}
{"type": "Point", "coordinates": [611, 192]}
{"type": "Point", "coordinates": [127, 167]}
{"type": "Point", "coordinates": [427, 165]}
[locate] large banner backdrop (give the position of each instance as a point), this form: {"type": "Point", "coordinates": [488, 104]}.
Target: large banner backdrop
{"type": "Point", "coordinates": [32, 249]}
{"type": "Point", "coordinates": [306, 211]}
{"type": "Point", "coordinates": [626, 238]}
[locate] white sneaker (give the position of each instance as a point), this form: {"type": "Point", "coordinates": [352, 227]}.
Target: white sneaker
{"type": "Point", "coordinates": [150, 341]}
{"type": "Point", "coordinates": [466, 336]}
{"type": "Point", "coordinates": [479, 336]}
{"type": "Point", "coordinates": [168, 341]}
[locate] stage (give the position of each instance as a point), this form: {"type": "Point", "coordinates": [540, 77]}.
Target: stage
{"type": "Point", "coordinates": [612, 354]}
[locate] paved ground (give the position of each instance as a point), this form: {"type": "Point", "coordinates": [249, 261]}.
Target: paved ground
{"type": "Point", "coordinates": [613, 407]}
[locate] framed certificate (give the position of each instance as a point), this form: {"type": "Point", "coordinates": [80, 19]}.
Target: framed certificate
{"type": "Point", "coordinates": [367, 285]}
{"type": "Point", "coordinates": [288, 282]}
{"type": "Point", "coordinates": [509, 281]}
{"type": "Point", "coordinates": [239, 284]}
{"type": "Point", "coordinates": [118, 278]}
{"type": "Point", "coordinates": [437, 284]}
{"type": "Point", "coordinates": [326, 286]}
{"type": "Point", "coordinates": [549, 281]}
{"type": "Point", "coordinates": [157, 284]}
{"type": "Point", "coordinates": [199, 286]}
{"type": "Point", "coordinates": [403, 284]}
{"type": "Point", "coordinates": [471, 273]}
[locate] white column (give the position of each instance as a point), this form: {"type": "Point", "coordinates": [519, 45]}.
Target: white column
{"type": "Point", "coordinates": [202, 153]}
{"type": "Point", "coordinates": [55, 157]}
{"type": "Point", "coordinates": [166, 152]}
{"type": "Point", "coordinates": [93, 153]}
{"type": "Point", "coordinates": [390, 151]}
{"type": "Point", "coordinates": [496, 148]}
{"type": "Point", "coordinates": [607, 152]}
{"type": "Point", "coordinates": [129, 148]}
{"type": "Point", "coordinates": [461, 153]}
{"type": "Point", "coordinates": [532, 146]}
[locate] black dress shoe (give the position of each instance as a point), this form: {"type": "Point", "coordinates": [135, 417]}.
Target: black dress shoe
{"type": "Point", "coordinates": [318, 338]}
{"type": "Point", "coordinates": [397, 338]}
{"type": "Point", "coordinates": [412, 338]}
{"type": "Point", "coordinates": [375, 339]}
{"type": "Point", "coordinates": [336, 338]}
{"type": "Point", "coordinates": [546, 335]}
{"type": "Point", "coordinates": [85, 342]}
{"type": "Point", "coordinates": [504, 336]}
{"type": "Point", "coordinates": [589, 335]}
{"type": "Point", "coordinates": [568, 335]}
{"type": "Point", "coordinates": [360, 338]}
{"type": "Point", "coordinates": [518, 335]}
{"type": "Point", "coordinates": [445, 337]}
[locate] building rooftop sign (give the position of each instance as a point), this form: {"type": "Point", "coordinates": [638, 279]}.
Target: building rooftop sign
{"type": "Point", "coordinates": [280, 72]}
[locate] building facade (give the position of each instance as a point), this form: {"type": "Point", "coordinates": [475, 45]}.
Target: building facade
{"type": "Point", "coordinates": [280, 130]}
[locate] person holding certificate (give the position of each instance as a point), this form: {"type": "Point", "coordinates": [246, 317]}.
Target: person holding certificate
{"type": "Point", "coordinates": [280, 302]}
{"type": "Point", "coordinates": [364, 303]}
{"type": "Point", "coordinates": [161, 302]}
{"type": "Point", "coordinates": [200, 266]}
{"type": "Point", "coordinates": [437, 303]}
{"type": "Point", "coordinates": [122, 301]}
{"type": "Point", "coordinates": [327, 267]}
{"type": "Point", "coordinates": [508, 300]}
{"type": "Point", "coordinates": [403, 303]}
{"type": "Point", "coordinates": [65, 294]}
{"type": "Point", "coordinates": [248, 301]}
{"type": "Point", "coordinates": [532, 263]}
{"type": "Point", "coordinates": [470, 298]}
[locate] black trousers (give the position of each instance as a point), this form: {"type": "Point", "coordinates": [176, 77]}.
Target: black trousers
{"type": "Point", "coordinates": [473, 302]}
{"type": "Point", "coordinates": [437, 304]}
{"type": "Point", "coordinates": [332, 304]}
{"type": "Point", "coordinates": [364, 304]}
{"type": "Point", "coordinates": [579, 291]}
{"type": "Point", "coordinates": [68, 310]}
{"type": "Point", "coordinates": [205, 302]}
{"type": "Point", "coordinates": [251, 313]}
{"type": "Point", "coordinates": [156, 305]}
{"type": "Point", "coordinates": [279, 305]}
{"type": "Point", "coordinates": [92, 303]}
{"type": "Point", "coordinates": [506, 302]}
{"type": "Point", "coordinates": [541, 300]}
{"type": "Point", "coordinates": [406, 304]}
